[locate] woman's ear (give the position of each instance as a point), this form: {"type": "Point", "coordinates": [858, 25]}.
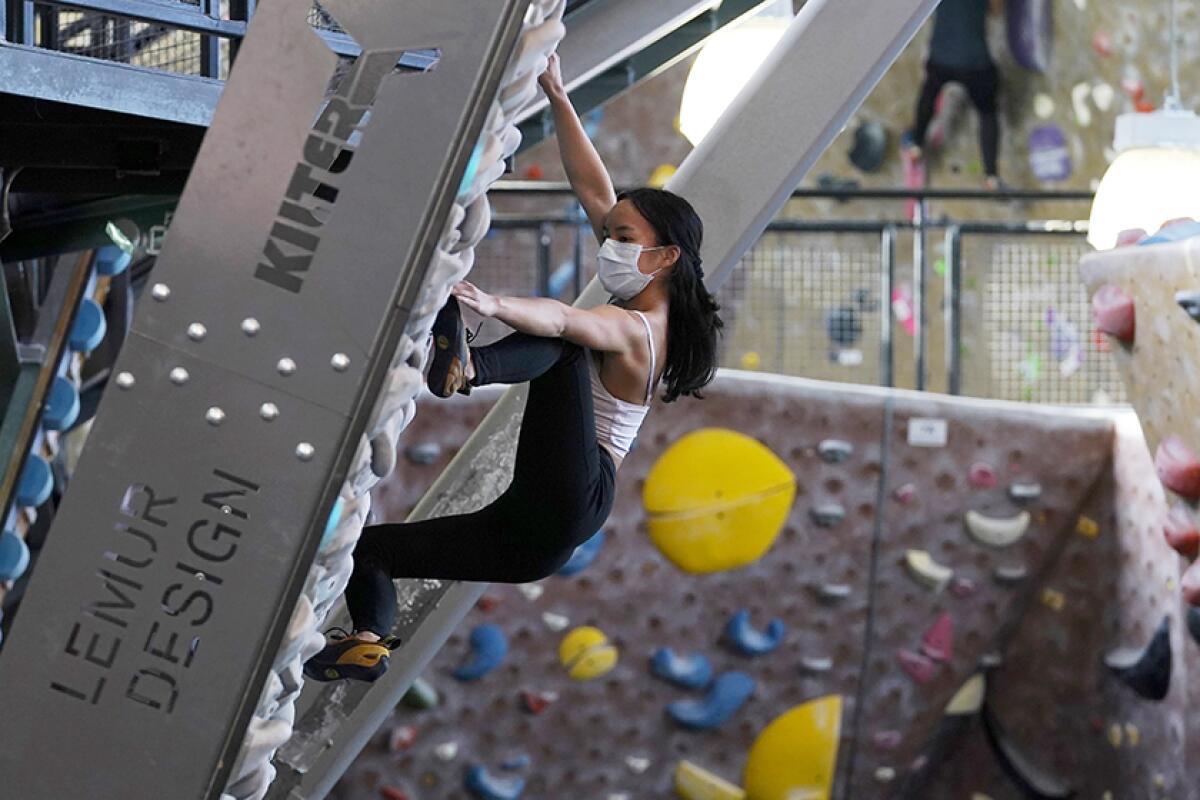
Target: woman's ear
{"type": "Point", "coordinates": [671, 255]}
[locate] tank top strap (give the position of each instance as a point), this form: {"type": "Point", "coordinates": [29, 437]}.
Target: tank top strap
{"type": "Point", "coordinates": [653, 359]}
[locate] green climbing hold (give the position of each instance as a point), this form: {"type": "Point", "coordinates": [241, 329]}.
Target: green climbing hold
{"type": "Point", "coordinates": [421, 695]}
{"type": "Point", "coordinates": [939, 267]}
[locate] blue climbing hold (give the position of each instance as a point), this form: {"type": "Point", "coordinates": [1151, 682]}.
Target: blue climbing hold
{"type": "Point", "coordinates": [583, 556]}
{"type": "Point", "coordinates": [1172, 233]}
{"type": "Point", "coordinates": [489, 646]}
{"type": "Point", "coordinates": [331, 524]}
{"type": "Point", "coordinates": [729, 692]}
{"type": "Point", "coordinates": [485, 786]}
{"type": "Point", "coordinates": [691, 672]}
{"type": "Point", "coordinates": [516, 762]}
{"type": "Point", "coordinates": [36, 481]}
{"type": "Point", "coordinates": [62, 405]}
{"type": "Point", "coordinates": [743, 636]}
{"type": "Point", "coordinates": [111, 260]}
{"type": "Point", "coordinates": [14, 556]}
{"type": "Point", "coordinates": [89, 328]}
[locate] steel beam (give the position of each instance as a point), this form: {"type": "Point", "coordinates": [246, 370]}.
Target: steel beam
{"type": "Point", "coordinates": [176, 560]}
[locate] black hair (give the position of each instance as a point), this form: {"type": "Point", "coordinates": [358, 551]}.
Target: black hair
{"type": "Point", "coordinates": [693, 324]}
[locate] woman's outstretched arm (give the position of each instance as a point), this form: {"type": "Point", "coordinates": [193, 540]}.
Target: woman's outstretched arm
{"type": "Point", "coordinates": [589, 179]}
{"type": "Point", "coordinates": [606, 328]}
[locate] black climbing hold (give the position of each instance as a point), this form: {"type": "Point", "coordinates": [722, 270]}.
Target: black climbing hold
{"type": "Point", "coordinates": [843, 325]}
{"type": "Point", "coordinates": [1193, 623]}
{"type": "Point", "coordinates": [1009, 575]}
{"type": "Point", "coordinates": [1147, 671]}
{"type": "Point", "coordinates": [1024, 492]}
{"type": "Point", "coordinates": [1032, 781]}
{"type": "Point", "coordinates": [831, 592]}
{"type": "Point", "coordinates": [828, 514]}
{"type": "Point", "coordinates": [834, 450]}
{"type": "Point", "coordinates": [424, 453]}
{"type": "Point", "coordinates": [1189, 301]}
{"type": "Point", "coordinates": [870, 146]}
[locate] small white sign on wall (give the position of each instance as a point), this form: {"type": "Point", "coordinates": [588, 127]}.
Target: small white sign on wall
{"type": "Point", "coordinates": [927, 432]}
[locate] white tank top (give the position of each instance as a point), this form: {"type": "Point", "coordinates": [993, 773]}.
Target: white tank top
{"type": "Point", "coordinates": [618, 421]}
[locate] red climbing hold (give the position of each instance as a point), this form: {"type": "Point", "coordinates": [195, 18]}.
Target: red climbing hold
{"type": "Point", "coordinates": [938, 641]}
{"type": "Point", "coordinates": [1134, 88]}
{"type": "Point", "coordinates": [1113, 310]}
{"type": "Point", "coordinates": [534, 172]}
{"type": "Point", "coordinates": [487, 603]}
{"type": "Point", "coordinates": [1143, 106]}
{"type": "Point", "coordinates": [1177, 467]}
{"type": "Point", "coordinates": [920, 668]}
{"type": "Point", "coordinates": [536, 702]}
{"type": "Point", "coordinates": [392, 793]}
{"type": "Point", "coordinates": [402, 738]}
{"type": "Point", "coordinates": [982, 476]}
{"type": "Point", "coordinates": [1181, 531]}
{"type": "Point", "coordinates": [1191, 584]}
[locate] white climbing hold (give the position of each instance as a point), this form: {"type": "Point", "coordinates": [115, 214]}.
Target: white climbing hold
{"type": "Point", "coordinates": [815, 664]}
{"type": "Point", "coordinates": [637, 764]}
{"type": "Point", "coordinates": [885, 774]}
{"type": "Point", "coordinates": [555, 622]}
{"type": "Point", "coordinates": [926, 571]}
{"type": "Point", "coordinates": [1043, 106]}
{"type": "Point", "coordinates": [996, 531]}
{"type": "Point", "coordinates": [532, 591]}
{"type": "Point", "coordinates": [1102, 95]}
{"type": "Point", "coordinates": [446, 751]}
{"type": "Point", "coordinates": [1080, 93]}
{"type": "Point", "coordinates": [969, 698]}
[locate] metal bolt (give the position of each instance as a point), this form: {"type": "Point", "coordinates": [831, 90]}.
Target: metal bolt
{"type": "Point", "coordinates": [226, 509]}
{"type": "Point", "coordinates": [196, 331]}
{"type": "Point", "coordinates": [160, 291]}
{"type": "Point", "coordinates": [286, 366]}
{"type": "Point", "coordinates": [179, 376]}
{"type": "Point", "coordinates": [340, 362]}
{"type": "Point", "coordinates": [250, 326]}
{"type": "Point", "coordinates": [215, 416]}
{"type": "Point", "coordinates": [268, 411]}
{"type": "Point", "coordinates": [304, 451]}
{"type": "Point", "coordinates": [125, 380]}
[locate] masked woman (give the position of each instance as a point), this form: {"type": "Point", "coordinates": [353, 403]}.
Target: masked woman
{"type": "Point", "coordinates": [592, 375]}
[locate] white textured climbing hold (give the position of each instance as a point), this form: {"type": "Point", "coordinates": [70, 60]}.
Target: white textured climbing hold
{"type": "Point", "coordinates": [996, 531]}
{"type": "Point", "coordinates": [832, 592]}
{"type": "Point", "coordinates": [885, 774]}
{"type": "Point", "coordinates": [1080, 93]}
{"type": "Point", "coordinates": [1010, 573]}
{"type": "Point", "coordinates": [832, 451]}
{"type": "Point", "coordinates": [1024, 492]}
{"type": "Point", "coordinates": [926, 571]}
{"type": "Point", "coordinates": [446, 751]}
{"type": "Point", "coordinates": [532, 591]}
{"type": "Point", "coordinates": [815, 664]}
{"type": "Point", "coordinates": [969, 698]}
{"type": "Point", "coordinates": [1043, 105]}
{"type": "Point", "coordinates": [1102, 95]}
{"type": "Point", "coordinates": [555, 622]}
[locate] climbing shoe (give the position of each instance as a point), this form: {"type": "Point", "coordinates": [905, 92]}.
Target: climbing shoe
{"type": "Point", "coordinates": [347, 657]}
{"type": "Point", "coordinates": [448, 367]}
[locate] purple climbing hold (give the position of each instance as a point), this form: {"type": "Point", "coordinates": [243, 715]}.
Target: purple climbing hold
{"type": "Point", "coordinates": [1049, 156]}
{"type": "Point", "coordinates": [749, 641]}
{"type": "Point", "coordinates": [1030, 28]}
{"type": "Point", "coordinates": [728, 693]}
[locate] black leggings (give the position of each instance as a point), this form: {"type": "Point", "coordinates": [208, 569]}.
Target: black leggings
{"type": "Point", "coordinates": [982, 86]}
{"type": "Point", "coordinates": [561, 491]}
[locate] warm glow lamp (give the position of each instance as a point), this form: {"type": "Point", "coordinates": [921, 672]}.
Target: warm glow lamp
{"type": "Point", "coordinates": [1155, 175]}
{"type": "Point", "coordinates": [726, 62]}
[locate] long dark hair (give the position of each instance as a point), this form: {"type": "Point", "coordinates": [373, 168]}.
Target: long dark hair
{"type": "Point", "coordinates": [693, 325]}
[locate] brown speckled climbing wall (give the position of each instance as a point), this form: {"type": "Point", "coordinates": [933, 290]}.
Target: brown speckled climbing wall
{"type": "Point", "coordinates": [610, 737]}
{"type": "Point", "coordinates": [989, 449]}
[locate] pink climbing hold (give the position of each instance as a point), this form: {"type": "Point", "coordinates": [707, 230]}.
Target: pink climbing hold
{"type": "Point", "coordinates": [887, 740]}
{"type": "Point", "coordinates": [919, 667]}
{"type": "Point", "coordinates": [1114, 313]}
{"type": "Point", "coordinates": [402, 738]}
{"type": "Point", "coordinates": [982, 476]}
{"type": "Point", "coordinates": [1102, 43]}
{"type": "Point", "coordinates": [1134, 88]}
{"type": "Point", "coordinates": [1191, 584]}
{"type": "Point", "coordinates": [1181, 531]}
{"type": "Point", "coordinates": [905, 494]}
{"type": "Point", "coordinates": [1130, 236]}
{"type": "Point", "coordinates": [962, 587]}
{"type": "Point", "coordinates": [392, 793]}
{"type": "Point", "coordinates": [1177, 467]}
{"type": "Point", "coordinates": [938, 641]}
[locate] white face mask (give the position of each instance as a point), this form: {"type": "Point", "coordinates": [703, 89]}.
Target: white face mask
{"type": "Point", "coordinates": [618, 268]}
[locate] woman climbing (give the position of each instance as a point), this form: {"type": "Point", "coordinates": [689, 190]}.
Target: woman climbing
{"type": "Point", "coordinates": [592, 375]}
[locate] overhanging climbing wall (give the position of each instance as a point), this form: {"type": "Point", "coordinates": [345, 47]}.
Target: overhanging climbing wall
{"type": "Point", "coordinates": [242, 397]}
{"type": "Point", "coordinates": [1038, 614]}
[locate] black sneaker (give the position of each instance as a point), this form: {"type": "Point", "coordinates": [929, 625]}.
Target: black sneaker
{"type": "Point", "coordinates": [350, 658]}
{"type": "Point", "coordinates": [448, 367]}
